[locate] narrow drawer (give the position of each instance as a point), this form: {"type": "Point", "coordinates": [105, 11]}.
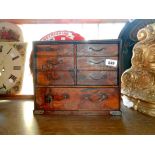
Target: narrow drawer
{"type": "Point", "coordinates": [97, 78]}
{"type": "Point", "coordinates": [48, 63]}
{"type": "Point", "coordinates": [55, 50]}
{"type": "Point", "coordinates": [96, 63]}
{"type": "Point", "coordinates": [77, 98]}
{"type": "Point", "coordinates": [56, 78]}
{"type": "Point", "coordinates": [97, 50]}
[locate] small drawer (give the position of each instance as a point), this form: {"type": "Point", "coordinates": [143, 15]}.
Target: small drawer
{"type": "Point", "coordinates": [55, 50]}
{"type": "Point", "coordinates": [56, 78]}
{"type": "Point", "coordinates": [97, 78]}
{"type": "Point", "coordinates": [96, 63]}
{"type": "Point", "coordinates": [77, 98]}
{"type": "Point", "coordinates": [97, 50]}
{"type": "Point", "coordinates": [48, 63]}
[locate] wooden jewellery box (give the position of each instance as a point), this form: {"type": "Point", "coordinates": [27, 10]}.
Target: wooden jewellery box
{"type": "Point", "coordinates": [77, 77]}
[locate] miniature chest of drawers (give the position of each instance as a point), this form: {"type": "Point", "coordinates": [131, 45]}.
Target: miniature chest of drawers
{"type": "Point", "coordinates": [77, 77]}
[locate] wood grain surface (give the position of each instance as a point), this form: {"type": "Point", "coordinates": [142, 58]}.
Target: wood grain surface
{"type": "Point", "coordinates": [16, 118]}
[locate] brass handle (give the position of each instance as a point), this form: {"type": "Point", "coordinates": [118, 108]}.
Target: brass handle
{"type": "Point", "coordinates": [48, 98]}
{"type": "Point", "coordinates": [96, 62]}
{"type": "Point", "coordinates": [95, 50]}
{"type": "Point", "coordinates": [55, 97]}
{"type": "Point", "coordinates": [99, 97]}
{"type": "Point", "coordinates": [98, 78]}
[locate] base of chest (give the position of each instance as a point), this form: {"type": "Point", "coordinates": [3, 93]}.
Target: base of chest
{"type": "Point", "coordinates": [77, 101]}
{"type": "Point", "coordinates": [77, 112]}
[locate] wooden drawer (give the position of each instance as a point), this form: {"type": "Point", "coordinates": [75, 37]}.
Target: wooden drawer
{"type": "Point", "coordinates": [97, 50]}
{"type": "Point", "coordinates": [48, 63]}
{"type": "Point", "coordinates": [56, 50]}
{"type": "Point", "coordinates": [56, 78]}
{"type": "Point", "coordinates": [95, 63]}
{"type": "Point", "coordinates": [77, 98]}
{"type": "Point", "coordinates": [97, 78]}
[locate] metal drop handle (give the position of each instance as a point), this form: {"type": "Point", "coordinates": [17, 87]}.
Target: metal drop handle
{"type": "Point", "coordinates": [96, 62]}
{"type": "Point", "coordinates": [98, 78]}
{"type": "Point", "coordinates": [95, 50]}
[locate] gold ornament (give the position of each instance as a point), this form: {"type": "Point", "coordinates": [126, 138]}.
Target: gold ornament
{"type": "Point", "coordinates": [138, 82]}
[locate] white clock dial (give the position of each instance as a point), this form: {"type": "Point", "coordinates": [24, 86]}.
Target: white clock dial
{"type": "Point", "coordinates": [11, 67]}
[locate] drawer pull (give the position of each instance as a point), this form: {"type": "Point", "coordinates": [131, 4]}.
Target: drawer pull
{"type": "Point", "coordinates": [95, 98]}
{"type": "Point", "coordinates": [95, 50]}
{"type": "Point", "coordinates": [96, 62]}
{"type": "Point", "coordinates": [98, 78]}
{"type": "Point", "coordinates": [48, 98]}
{"type": "Point", "coordinates": [51, 97]}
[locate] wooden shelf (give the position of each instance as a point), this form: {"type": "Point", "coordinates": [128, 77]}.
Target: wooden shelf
{"type": "Point", "coordinates": [15, 122]}
{"type": "Point", "coordinates": [63, 21]}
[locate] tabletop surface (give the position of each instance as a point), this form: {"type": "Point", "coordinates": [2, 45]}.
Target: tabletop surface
{"type": "Point", "coordinates": [16, 118]}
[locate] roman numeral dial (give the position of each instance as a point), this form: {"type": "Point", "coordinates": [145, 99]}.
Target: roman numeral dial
{"type": "Point", "coordinates": [17, 67]}
{"type": "Point", "coordinates": [12, 59]}
{"type": "Point", "coordinates": [3, 87]}
{"type": "Point", "coordinates": [12, 78]}
{"type": "Point", "coordinates": [9, 51]}
{"type": "Point", "coordinates": [16, 57]}
{"type": "Point", "coordinates": [1, 48]}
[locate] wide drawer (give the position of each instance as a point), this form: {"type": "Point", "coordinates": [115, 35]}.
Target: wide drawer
{"type": "Point", "coordinates": [56, 78]}
{"type": "Point", "coordinates": [97, 63]}
{"type": "Point", "coordinates": [56, 50]}
{"type": "Point", "coordinates": [97, 50]}
{"type": "Point", "coordinates": [48, 63]}
{"type": "Point", "coordinates": [97, 78]}
{"type": "Point", "coordinates": [77, 98]}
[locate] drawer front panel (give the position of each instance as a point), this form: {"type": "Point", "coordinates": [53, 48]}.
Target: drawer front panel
{"type": "Point", "coordinates": [56, 78]}
{"type": "Point", "coordinates": [45, 63]}
{"type": "Point", "coordinates": [77, 98]}
{"type": "Point", "coordinates": [97, 78]}
{"type": "Point", "coordinates": [55, 50]}
{"type": "Point", "coordinates": [97, 50]}
{"type": "Point", "coordinates": [96, 63]}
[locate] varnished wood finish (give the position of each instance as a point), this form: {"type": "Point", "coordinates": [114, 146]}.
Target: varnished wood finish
{"type": "Point", "coordinates": [63, 63]}
{"type": "Point", "coordinates": [16, 97]}
{"type": "Point", "coordinates": [77, 98]}
{"type": "Point", "coordinates": [16, 118]}
{"type": "Point", "coordinates": [97, 78]}
{"type": "Point", "coordinates": [94, 63]}
{"type": "Point", "coordinates": [55, 63]}
{"type": "Point", "coordinates": [97, 50]}
{"type": "Point", "coordinates": [55, 50]}
{"type": "Point", "coordinates": [63, 21]}
{"type": "Point", "coordinates": [55, 78]}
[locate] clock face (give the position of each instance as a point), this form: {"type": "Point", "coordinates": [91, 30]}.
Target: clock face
{"type": "Point", "coordinates": [11, 67]}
